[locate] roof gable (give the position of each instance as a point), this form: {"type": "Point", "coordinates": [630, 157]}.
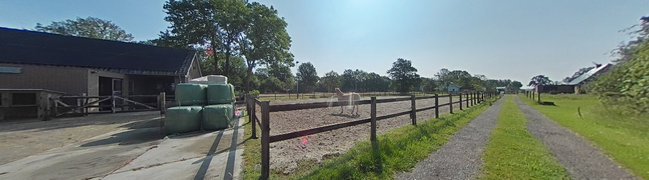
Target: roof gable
{"type": "Point", "coordinates": [588, 74]}
{"type": "Point", "coordinates": [29, 47]}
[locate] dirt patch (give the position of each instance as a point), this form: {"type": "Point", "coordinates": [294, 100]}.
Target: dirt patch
{"type": "Point", "coordinates": [20, 139]}
{"type": "Point", "coordinates": [285, 154]}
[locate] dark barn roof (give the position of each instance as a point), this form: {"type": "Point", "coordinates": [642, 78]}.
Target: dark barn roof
{"type": "Point", "coordinates": [29, 47]}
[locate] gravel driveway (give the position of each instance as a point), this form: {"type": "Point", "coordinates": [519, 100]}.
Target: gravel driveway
{"type": "Point", "coordinates": [460, 157]}
{"type": "Point", "coordinates": [581, 160]}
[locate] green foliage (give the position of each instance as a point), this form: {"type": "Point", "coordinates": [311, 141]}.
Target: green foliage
{"type": "Point", "coordinates": [404, 75]}
{"type": "Point", "coordinates": [627, 84]}
{"type": "Point", "coordinates": [619, 132]}
{"type": "Point", "coordinates": [89, 27]}
{"type": "Point", "coordinates": [307, 76]}
{"type": "Point", "coordinates": [513, 153]}
{"type": "Point", "coordinates": [539, 80]}
{"type": "Point", "coordinates": [330, 81]}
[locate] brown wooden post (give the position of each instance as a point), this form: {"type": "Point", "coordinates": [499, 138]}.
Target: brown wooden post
{"type": "Point", "coordinates": [467, 100]}
{"type": "Point", "coordinates": [413, 111]}
{"type": "Point", "coordinates": [436, 105]}
{"type": "Point", "coordinates": [450, 100]}
{"type": "Point", "coordinates": [265, 140]}
{"type": "Point", "coordinates": [373, 122]}
{"type": "Point", "coordinates": [163, 102]}
{"type": "Point", "coordinates": [533, 95]}
{"type": "Point", "coordinates": [252, 115]}
{"type": "Point", "coordinates": [460, 101]}
{"type": "Point", "coordinates": [538, 97]}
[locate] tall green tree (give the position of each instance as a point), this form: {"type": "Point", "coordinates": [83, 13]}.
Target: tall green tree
{"type": "Point", "coordinates": [307, 77]}
{"type": "Point", "coordinates": [215, 24]}
{"type": "Point", "coordinates": [89, 27]}
{"type": "Point", "coordinates": [404, 75]}
{"type": "Point", "coordinates": [266, 40]}
{"type": "Point", "coordinates": [539, 80]}
{"type": "Point", "coordinates": [330, 81]}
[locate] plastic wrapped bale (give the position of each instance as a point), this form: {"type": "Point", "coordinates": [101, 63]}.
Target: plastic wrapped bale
{"type": "Point", "coordinates": [217, 117]}
{"type": "Point", "coordinates": [190, 94]}
{"type": "Point", "coordinates": [183, 119]}
{"type": "Point", "coordinates": [220, 93]}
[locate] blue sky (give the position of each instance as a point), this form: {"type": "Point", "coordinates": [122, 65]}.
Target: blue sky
{"type": "Point", "coordinates": [500, 39]}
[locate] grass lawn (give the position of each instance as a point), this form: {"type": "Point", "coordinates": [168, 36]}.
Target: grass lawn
{"type": "Point", "coordinates": [621, 134]}
{"type": "Point", "coordinates": [513, 153]}
{"type": "Point", "coordinates": [397, 150]}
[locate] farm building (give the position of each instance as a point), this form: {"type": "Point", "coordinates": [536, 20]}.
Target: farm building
{"type": "Point", "coordinates": [92, 67]}
{"type": "Point", "coordinates": [452, 88]}
{"type": "Point", "coordinates": [574, 85]}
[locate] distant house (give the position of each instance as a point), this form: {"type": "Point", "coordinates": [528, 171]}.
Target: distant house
{"type": "Point", "coordinates": [94, 67]}
{"type": "Point", "coordinates": [501, 90]}
{"type": "Point", "coordinates": [574, 86]}
{"type": "Point", "coordinates": [452, 88]}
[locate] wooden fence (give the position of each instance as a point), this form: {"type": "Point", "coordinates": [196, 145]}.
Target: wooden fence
{"type": "Point", "coordinates": [534, 95]}
{"type": "Point", "coordinates": [465, 100]}
{"type": "Point", "coordinates": [315, 95]}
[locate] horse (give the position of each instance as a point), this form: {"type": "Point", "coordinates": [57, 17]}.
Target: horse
{"type": "Point", "coordinates": [350, 98]}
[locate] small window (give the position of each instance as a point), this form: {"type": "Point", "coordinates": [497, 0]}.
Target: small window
{"type": "Point", "coordinates": [24, 98]}
{"type": "Point", "coordinates": [10, 70]}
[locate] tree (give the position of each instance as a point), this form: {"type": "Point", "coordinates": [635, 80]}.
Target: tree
{"type": "Point", "coordinates": [404, 75]}
{"type": "Point", "coordinates": [89, 27]}
{"type": "Point", "coordinates": [539, 80]}
{"type": "Point", "coordinates": [267, 41]}
{"type": "Point", "coordinates": [307, 76]}
{"type": "Point", "coordinates": [218, 24]}
{"type": "Point", "coordinates": [330, 81]}
{"type": "Point", "coordinates": [514, 86]}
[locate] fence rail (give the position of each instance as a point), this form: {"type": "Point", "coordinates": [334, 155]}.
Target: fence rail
{"type": "Point", "coordinates": [470, 99]}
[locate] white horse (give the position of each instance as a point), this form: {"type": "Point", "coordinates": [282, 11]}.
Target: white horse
{"type": "Point", "coordinates": [350, 98]}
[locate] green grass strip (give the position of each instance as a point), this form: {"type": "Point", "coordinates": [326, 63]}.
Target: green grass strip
{"type": "Point", "coordinates": [397, 150]}
{"type": "Point", "coordinates": [620, 133]}
{"type": "Point", "coordinates": [513, 153]}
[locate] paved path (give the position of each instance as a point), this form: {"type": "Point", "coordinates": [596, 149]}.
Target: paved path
{"type": "Point", "coordinates": [138, 153]}
{"type": "Point", "coordinates": [460, 158]}
{"type": "Point", "coordinates": [581, 160]}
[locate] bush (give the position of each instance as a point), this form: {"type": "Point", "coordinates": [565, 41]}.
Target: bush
{"type": "Point", "coordinates": [627, 84]}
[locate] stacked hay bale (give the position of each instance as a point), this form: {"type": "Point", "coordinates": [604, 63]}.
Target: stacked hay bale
{"type": "Point", "coordinates": [207, 106]}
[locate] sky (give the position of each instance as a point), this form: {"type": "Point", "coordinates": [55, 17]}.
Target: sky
{"type": "Point", "coordinates": [502, 39]}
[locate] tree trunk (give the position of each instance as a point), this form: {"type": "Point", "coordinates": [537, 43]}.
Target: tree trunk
{"type": "Point", "coordinates": [249, 75]}
{"type": "Point", "coordinates": [216, 60]}
{"type": "Point", "coordinates": [227, 60]}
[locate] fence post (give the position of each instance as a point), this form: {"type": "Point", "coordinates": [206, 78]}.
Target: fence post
{"type": "Point", "coordinates": [460, 101]}
{"type": "Point", "coordinates": [436, 105]}
{"type": "Point", "coordinates": [467, 100]}
{"type": "Point", "coordinates": [162, 102]}
{"type": "Point", "coordinates": [265, 140]}
{"type": "Point", "coordinates": [112, 100]}
{"type": "Point", "coordinates": [413, 111]}
{"type": "Point", "coordinates": [450, 102]}
{"type": "Point", "coordinates": [373, 122]}
{"type": "Point", "coordinates": [251, 114]}
{"type": "Point", "coordinates": [533, 95]}
{"type": "Point", "coordinates": [482, 96]}
{"type": "Point", "coordinates": [538, 97]}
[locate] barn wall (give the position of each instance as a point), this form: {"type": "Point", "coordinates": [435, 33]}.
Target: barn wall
{"type": "Point", "coordinates": [93, 81]}
{"type": "Point", "coordinates": [69, 80]}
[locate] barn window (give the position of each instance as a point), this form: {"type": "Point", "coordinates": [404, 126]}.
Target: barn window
{"type": "Point", "coordinates": [23, 98]}
{"type": "Point", "coordinates": [10, 70]}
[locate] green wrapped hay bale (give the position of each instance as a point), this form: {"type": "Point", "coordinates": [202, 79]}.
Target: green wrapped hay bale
{"type": "Point", "coordinates": [217, 117]}
{"type": "Point", "coordinates": [183, 119]}
{"type": "Point", "coordinates": [190, 94]}
{"type": "Point", "coordinates": [220, 93]}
